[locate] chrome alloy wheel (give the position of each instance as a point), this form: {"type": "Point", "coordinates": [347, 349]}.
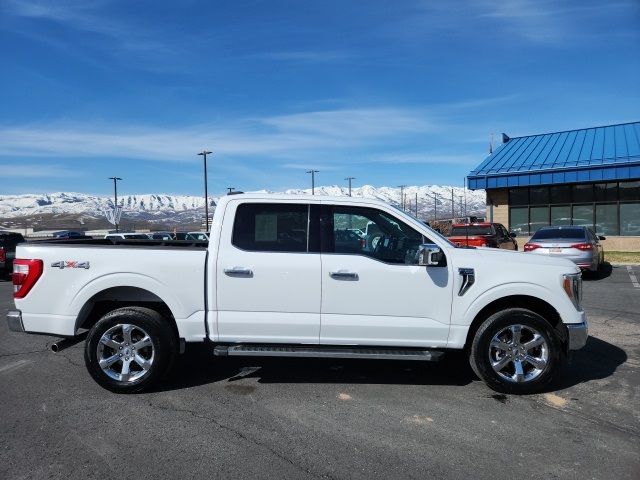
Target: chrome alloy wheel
{"type": "Point", "coordinates": [518, 353]}
{"type": "Point", "coordinates": [125, 352]}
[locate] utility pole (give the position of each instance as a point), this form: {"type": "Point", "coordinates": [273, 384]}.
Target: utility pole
{"type": "Point", "coordinates": [115, 196]}
{"type": "Point", "coordinates": [313, 180]}
{"type": "Point", "coordinates": [230, 189]}
{"type": "Point", "coordinates": [402, 187]}
{"type": "Point", "coordinates": [349, 180]}
{"type": "Point", "coordinates": [461, 212]}
{"type": "Point", "coordinates": [435, 206]}
{"type": "Point", "coordinates": [465, 196]}
{"type": "Point", "coordinates": [204, 154]}
{"type": "Point", "coordinates": [453, 205]}
{"type": "Point", "coordinates": [416, 204]}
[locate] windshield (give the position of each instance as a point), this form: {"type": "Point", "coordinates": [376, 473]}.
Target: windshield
{"type": "Point", "coordinates": [471, 230]}
{"type": "Point", "coordinates": [548, 233]}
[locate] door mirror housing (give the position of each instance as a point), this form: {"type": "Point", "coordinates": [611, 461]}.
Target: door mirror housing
{"type": "Point", "coordinates": [513, 234]}
{"type": "Point", "coordinates": [430, 255]}
{"type": "Point", "coordinates": [601, 237]}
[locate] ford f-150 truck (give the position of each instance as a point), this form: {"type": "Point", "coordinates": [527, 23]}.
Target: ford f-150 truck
{"type": "Point", "coordinates": [278, 278]}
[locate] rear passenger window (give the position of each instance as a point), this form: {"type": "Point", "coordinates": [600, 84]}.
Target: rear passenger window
{"type": "Point", "coordinates": [269, 227]}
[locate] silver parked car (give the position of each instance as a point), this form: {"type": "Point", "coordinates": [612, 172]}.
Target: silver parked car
{"type": "Point", "coordinates": [578, 244]}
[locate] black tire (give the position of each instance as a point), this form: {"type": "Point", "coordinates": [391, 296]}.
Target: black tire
{"type": "Point", "coordinates": [161, 349]}
{"type": "Point", "coordinates": [480, 352]}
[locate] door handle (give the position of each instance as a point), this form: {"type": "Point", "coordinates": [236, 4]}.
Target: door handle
{"type": "Point", "coordinates": [344, 275]}
{"type": "Point", "coordinates": [238, 272]}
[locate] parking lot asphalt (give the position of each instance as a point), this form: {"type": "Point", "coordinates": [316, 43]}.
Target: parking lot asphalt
{"type": "Point", "coordinates": [305, 418]}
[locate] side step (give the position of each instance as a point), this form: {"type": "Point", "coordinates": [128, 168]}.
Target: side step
{"type": "Point", "coordinates": [310, 351]}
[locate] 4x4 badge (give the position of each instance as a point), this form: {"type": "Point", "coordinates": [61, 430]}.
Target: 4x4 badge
{"type": "Point", "coordinates": [70, 264]}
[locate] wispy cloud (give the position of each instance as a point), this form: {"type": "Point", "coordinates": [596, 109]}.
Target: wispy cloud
{"type": "Point", "coordinates": [306, 56]}
{"type": "Point", "coordinates": [37, 171]}
{"type": "Point", "coordinates": [284, 136]}
{"type": "Point", "coordinates": [550, 21]}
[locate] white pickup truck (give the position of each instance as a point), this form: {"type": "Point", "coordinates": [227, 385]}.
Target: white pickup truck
{"type": "Point", "coordinates": [302, 276]}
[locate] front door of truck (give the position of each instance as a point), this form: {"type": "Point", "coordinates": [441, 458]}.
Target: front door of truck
{"type": "Point", "coordinates": [373, 292]}
{"type": "Point", "coordinates": [268, 275]}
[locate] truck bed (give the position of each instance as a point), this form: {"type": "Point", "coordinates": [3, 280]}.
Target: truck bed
{"type": "Point", "coordinates": [105, 242]}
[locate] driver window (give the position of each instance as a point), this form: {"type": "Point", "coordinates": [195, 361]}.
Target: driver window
{"type": "Point", "coordinates": [373, 233]}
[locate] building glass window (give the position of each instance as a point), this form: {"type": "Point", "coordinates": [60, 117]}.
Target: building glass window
{"type": "Point", "coordinates": [561, 215]}
{"type": "Point", "coordinates": [630, 219]}
{"type": "Point", "coordinates": [629, 191]}
{"type": "Point", "coordinates": [539, 195]}
{"type": "Point", "coordinates": [518, 196]}
{"type": "Point", "coordinates": [606, 219]}
{"type": "Point", "coordinates": [583, 215]}
{"type": "Point", "coordinates": [539, 217]}
{"type": "Point", "coordinates": [560, 194]}
{"type": "Point", "coordinates": [606, 192]}
{"type": "Point", "coordinates": [582, 193]}
{"type": "Point", "coordinates": [519, 220]}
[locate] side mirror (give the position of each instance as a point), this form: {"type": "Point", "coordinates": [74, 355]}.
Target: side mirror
{"type": "Point", "coordinates": [601, 237]}
{"type": "Point", "coordinates": [430, 255]}
{"type": "Point", "coordinates": [513, 234]}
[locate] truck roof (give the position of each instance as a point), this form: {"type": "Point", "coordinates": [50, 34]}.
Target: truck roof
{"type": "Point", "coordinates": [301, 197]}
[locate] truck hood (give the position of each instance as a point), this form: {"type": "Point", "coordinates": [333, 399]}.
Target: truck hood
{"type": "Point", "coordinates": [510, 259]}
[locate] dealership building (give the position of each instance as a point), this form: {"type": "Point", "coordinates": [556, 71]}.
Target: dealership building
{"type": "Point", "coordinates": [585, 177]}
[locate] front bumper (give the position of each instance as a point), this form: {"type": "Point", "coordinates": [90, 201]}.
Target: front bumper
{"type": "Point", "coordinates": [14, 319]}
{"type": "Point", "coordinates": [577, 335]}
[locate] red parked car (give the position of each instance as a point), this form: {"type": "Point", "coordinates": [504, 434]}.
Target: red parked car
{"type": "Point", "coordinates": [482, 235]}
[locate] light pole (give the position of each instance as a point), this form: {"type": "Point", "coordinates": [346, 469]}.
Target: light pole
{"type": "Point", "coordinates": [313, 180]}
{"type": "Point", "coordinates": [115, 196]}
{"type": "Point", "coordinates": [204, 153]}
{"type": "Point", "coordinates": [349, 180]}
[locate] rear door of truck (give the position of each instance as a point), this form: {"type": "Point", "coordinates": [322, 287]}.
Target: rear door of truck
{"type": "Point", "coordinates": [267, 274]}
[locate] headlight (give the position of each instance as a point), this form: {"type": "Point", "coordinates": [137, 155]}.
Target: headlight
{"type": "Point", "coordinates": [572, 284]}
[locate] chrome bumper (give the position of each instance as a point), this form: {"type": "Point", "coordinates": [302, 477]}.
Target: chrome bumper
{"type": "Point", "coordinates": [14, 319]}
{"type": "Point", "coordinates": [578, 334]}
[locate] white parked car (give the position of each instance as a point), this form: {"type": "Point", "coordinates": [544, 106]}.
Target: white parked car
{"type": "Point", "coordinates": [275, 282]}
{"type": "Point", "coordinates": [127, 236]}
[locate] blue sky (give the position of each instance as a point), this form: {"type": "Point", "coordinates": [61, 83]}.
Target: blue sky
{"type": "Point", "coordinates": [390, 92]}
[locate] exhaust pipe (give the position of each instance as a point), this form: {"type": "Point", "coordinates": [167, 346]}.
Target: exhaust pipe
{"type": "Point", "coordinates": [67, 342]}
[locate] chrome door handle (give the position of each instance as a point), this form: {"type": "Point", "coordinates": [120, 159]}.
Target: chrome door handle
{"type": "Point", "coordinates": [238, 272]}
{"type": "Point", "coordinates": [343, 275]}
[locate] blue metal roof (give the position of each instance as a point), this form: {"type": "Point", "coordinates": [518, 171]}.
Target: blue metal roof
{"type": "Point", "coordinates": [575, 156]}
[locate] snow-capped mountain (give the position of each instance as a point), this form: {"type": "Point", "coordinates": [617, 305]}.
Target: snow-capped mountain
{"type": "Point", "coordinates": [175, 208]}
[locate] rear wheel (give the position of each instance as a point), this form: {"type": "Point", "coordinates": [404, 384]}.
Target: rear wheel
{"type": "Point", "coordinates": [129, 349]}
{"type": "Point", "coordinates": [516, 351]}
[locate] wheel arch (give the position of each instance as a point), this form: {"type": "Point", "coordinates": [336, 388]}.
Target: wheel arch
{"type": "Point", "coordinates": [535, 304]}
{"type": "Point", "coordinates": [122, 296]}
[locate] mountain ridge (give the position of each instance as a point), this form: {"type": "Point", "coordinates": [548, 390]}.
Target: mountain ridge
{"type": "Point", "coordinates": [176, 208]}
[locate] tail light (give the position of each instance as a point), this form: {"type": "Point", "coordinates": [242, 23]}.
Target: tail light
{"type": "Point", "coordinates": [3, 254]}
{"type": "Point", "coordinates": [583, 246]}
{"type": "Point", "coordinates": [530, 246]}
{"type": "Point", "coordinates": [25, 275]}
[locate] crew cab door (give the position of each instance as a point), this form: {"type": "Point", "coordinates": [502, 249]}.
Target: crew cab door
{"type": "Point", "coordinates": [268, 282]}
{"type": "Point", "coordinates": [373, 292]}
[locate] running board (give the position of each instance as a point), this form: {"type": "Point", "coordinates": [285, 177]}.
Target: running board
{"type": "Point", "coordinates": [379, 353]}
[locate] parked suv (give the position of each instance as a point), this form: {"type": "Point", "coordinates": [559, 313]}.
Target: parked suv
{"type": "Point", "coordinates": [8, 242]}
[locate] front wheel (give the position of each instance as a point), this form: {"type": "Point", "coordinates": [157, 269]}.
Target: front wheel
{"type": "Point", "coordinates": [129, 349]}
{"type": "Point", "coordinates": [516, 351]}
